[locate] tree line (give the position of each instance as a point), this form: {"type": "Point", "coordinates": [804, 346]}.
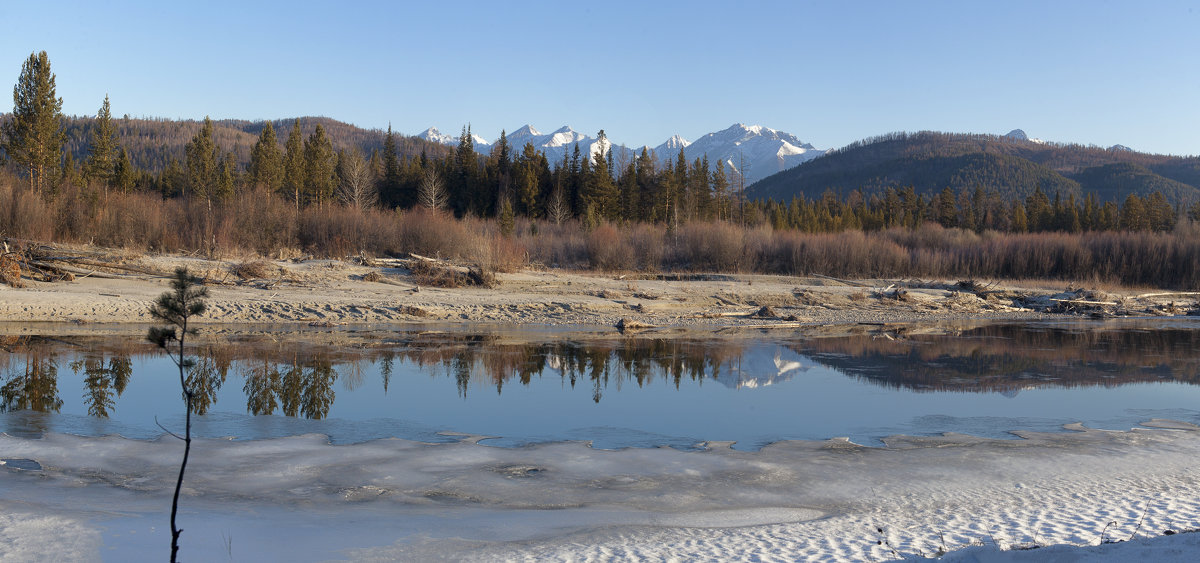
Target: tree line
{"type": "Point", "coordinates": [510, 183]}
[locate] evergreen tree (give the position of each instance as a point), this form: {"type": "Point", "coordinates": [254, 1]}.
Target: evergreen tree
{"type": "Point", "coordinates": [506, 217]}
{"type": "Point", "coordinates": [463, 193]}
{"type": "Point", "coordinates": [266, 161]}
{"type": "Point", "coordinates": [102, 150]}
{"type": "Point", "coordinates": [294, 167]}
{"type": "Point", "coordinates": [34, 135]}
{"type": "Point", "coordinates": [946, 208]}
{"type": "Point", "coordinates": [319, 161]}
{"type": "Point", "coordinates": [720, 191]}
{"type": "Point", "coordinates": [391, 189]}
{"type": "Point", "coordinates": [1133, 214]}
{"type": "Point", "coordinates": [201, 161]}
{"type": "Point", "coordinates": [1038, 211]}
{"type": "Point", "coordinates": [599, 191]}
{"type": "Point", "coordinates": [526, 180]}
{"type": "Point", "coordinates": [227, 177]}
{"type": "Point", "coordinates": [123, 172]}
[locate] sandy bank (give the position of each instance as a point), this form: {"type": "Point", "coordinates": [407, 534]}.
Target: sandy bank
{"type": "Point", "coordinates": [334, 292]}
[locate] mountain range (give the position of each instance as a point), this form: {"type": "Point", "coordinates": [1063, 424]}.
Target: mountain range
{"type": "Point", "coordinates": [1011, 165]}
{"type": "Point", "coordinates": [756, 150]}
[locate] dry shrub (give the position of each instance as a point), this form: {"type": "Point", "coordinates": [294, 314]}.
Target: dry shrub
{"type": "Point", "coordinates": [560, 246]}
{"type": "Point", "coordinates": [10, 272]}
{"type": "Point", "coordinates": [608, 250]}
{"type": "Point", "coordinates": [372, 276]}
{"type": "Point", "coordinates": [432, 275]}
{"type": "Point", "coordinates": [264, 223]}
{"type": "Point", "coordinates": [649, 246]}
{"type": "Point", "coordinates": [504, 255]}
{"type": "Point", "coordinates": [256, 269]}
{"type": "Point", "coordinates": [24, 214]}
{"type": "Point", "coordinates": [709, 247]}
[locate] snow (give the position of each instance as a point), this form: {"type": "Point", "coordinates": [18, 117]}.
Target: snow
{"type": "Point", "coordinates": [302, 499]}
{"type": "Point", "coordinates": [434, 136]}
{"type": "Point", "coordinates": [1019, 135]}
{"type": "Point", "coordinates": [765, 151]}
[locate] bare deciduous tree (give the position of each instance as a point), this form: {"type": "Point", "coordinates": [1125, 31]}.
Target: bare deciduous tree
{"type": "Point", "coordinates": [356, 188]}
{"type": "Point", "coordinates": [557, 209]}
{"type": "Point", "coordinates": [432, 192]}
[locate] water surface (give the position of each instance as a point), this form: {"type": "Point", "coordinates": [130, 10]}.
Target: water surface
{"type": "Point", "coordinates": [615, 391]}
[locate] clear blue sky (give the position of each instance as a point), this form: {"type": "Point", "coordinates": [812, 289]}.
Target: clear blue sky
{"type": "Point", "coordinates": [1091, 72]}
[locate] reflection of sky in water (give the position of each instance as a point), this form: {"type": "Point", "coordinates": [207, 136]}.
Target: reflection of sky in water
{"type": "Point", "coordinates": [766, 393]}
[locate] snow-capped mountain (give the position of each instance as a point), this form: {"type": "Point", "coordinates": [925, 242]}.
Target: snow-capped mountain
{"type": "Point", "coordinates": [434, 136]}
{"type": "Point", "coordinates": [1019, 135]}
{"type": "Point", "coordinates": [761, 150]}
{"type": "Point", "coordinates": [554, 145]}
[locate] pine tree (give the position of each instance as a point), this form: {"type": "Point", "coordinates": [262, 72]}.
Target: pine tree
{"type": "Point", "coordinates": [266, 160]}
{"type": "Point", "coordinates": [102, 151]}
{"type": "Point", "coordinates": [34, 134]}
{"type": "Point", "coordinates": [390, 188]}
{"type": "Point", "coordinates": [202, 162]}
{"type": "Point", "coordinates": [599, 191]}
{"type": "Point", "coordinates": [227, 177]}
{"type": "Point", "coordinates": [1133, 214]}
{"type": "Point", "coordinates": [319, 160]}
{"type": "Point", "coordinates": [123, 172]}
{"type": "Point", "coordinates": [506, 217]}
{"type": "Point", "coordinates": [293, 164]}
{"type": "Point", "coordinates": [947, 211]}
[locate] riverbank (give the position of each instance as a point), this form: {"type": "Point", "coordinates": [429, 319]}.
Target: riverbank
{"type": "Point", "coordinates": [337, 292]}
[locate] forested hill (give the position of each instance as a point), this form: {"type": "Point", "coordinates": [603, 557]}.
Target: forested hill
{"type": "Point", "coordinates": [1012, 168]}
{"type": "Point", "coordinates": [152, 143]}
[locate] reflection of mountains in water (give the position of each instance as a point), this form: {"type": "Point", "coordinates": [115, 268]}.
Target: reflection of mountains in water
{"type": "Point", "coordinates": [756, 369]}
{"type": "Point", "coordinates": [1008, 359]}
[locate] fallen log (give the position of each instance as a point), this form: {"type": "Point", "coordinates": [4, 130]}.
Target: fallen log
{"type": "Point", "coordinates": [1086, 302]}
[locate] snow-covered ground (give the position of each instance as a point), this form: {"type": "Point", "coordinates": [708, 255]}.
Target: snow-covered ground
{"type": "Point", "coordinates": [303, 499]}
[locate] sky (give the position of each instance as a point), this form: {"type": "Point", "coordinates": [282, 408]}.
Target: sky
{"type": "Point", "coordinates": [1093, 72]}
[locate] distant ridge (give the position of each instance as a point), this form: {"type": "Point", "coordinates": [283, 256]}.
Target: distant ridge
{"type": "Point", "coordinates": [1011, 165]}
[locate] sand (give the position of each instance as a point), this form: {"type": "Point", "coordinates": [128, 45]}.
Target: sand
{"type": "Point", "coordinates": [334, 292]}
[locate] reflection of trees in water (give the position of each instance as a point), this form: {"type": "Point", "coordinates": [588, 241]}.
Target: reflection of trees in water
{"type": "Point", "coordinates": [1007, 358]}
{"type": "Point", "coordinates": [302, 387]}
{"type": "Point", "coordinates": [298, 379]}
{"type": "Point", "coordinates": [600, 363]}
{"type": "Point", "coordinates": [33, 386]}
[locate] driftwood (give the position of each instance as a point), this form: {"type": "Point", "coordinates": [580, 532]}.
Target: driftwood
{"type": "Point", "coordinates": [1085, 302]}
{"type": "Point", "coordinates": [847, 282]}
{"type": "Point", "coordinates": [1167, 293]}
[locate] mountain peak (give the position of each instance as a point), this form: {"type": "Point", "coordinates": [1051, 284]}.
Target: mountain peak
{"type": "Point", "coordinates": [1017, 135]}
{"type": "Point", "coordinates": [675, 142]}
{"type": "Point", "coordinates": [524, 131]}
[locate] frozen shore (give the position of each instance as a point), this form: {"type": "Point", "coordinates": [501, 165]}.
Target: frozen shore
{"type": "Point", "coordinates": [303, 499]}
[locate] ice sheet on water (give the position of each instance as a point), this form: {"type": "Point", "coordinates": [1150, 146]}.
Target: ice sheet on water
{"type": "Point", "coordinates": [567, 500]}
